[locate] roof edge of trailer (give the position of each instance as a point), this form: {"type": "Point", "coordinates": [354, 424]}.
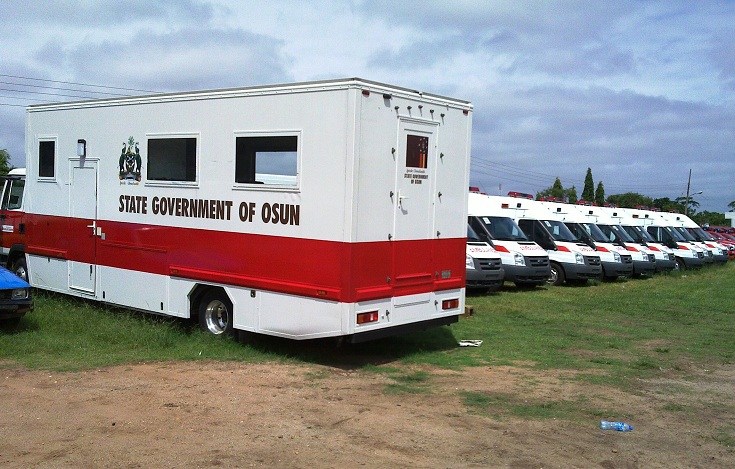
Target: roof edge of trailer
{"type": "Point", "coordinates": [259, 90]}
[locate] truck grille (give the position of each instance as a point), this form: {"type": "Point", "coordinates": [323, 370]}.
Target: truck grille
{"type": "Point", "coordinates": [538, 261]}
{"type": "Point", "coordinates": [490, 264]}
{"type": "Point", "coordinates": [700, 255]}
{"type": "Point", "coordinates": [592, 260]}
{"type": "Point", "coordinates": [626, 259]}
{"type": "Point", "coordinates": [651, 258]}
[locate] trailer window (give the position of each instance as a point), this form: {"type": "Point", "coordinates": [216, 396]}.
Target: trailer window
{"type": "Point", "coordinates": [172, 159]}
{"type": "Point", "coordinates": [46, 158]}
{"type": "Point", "coordinates": [417, 151]}
{"type": "Point", "coordinates": [271, 160]}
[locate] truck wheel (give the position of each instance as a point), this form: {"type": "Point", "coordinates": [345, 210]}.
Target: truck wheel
{"type": "Point", "coordinates": [557, 276]}
{"type": "Point", "coordinates": [215, 313]}
{"type": "Point", "coordinates": [679, 264]}
{"type": "Point", "coordinates": [20, 268]}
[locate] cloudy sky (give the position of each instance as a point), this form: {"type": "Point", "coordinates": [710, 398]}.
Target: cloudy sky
{"type": "Point", "coordinates": [639, 91]}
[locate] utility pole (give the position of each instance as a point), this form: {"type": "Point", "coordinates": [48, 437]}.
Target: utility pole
{"type": "Point", "coordinates": [689, 182]}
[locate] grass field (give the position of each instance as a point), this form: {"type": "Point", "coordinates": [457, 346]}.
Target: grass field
{"type": "Point", "coordinates": [619, 331]}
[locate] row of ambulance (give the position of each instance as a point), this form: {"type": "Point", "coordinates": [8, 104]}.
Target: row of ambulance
{"type": "Point", "coordinates": [528, 242]}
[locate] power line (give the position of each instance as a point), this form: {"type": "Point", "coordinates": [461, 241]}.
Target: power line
{"type": "Point", "coordinates": [75, 83]}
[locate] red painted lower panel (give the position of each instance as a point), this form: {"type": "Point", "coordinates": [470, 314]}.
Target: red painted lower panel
{"type": "Point", "coordinates": [346, 272]}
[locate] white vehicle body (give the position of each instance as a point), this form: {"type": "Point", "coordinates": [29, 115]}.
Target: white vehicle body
{"type": "Point", "coordinates": [713, 250]}
{"type": "Point", "coordinates": [608, 220]}
{"type": "Point", "coordinates": [569, 258]}
{"type": "Point", "coordinates": [687, 254]}
{"type": "Point", "coordinates": [665, 257]}
{"type": "Point", "coordinates": [484, 265]}
{"type": "Point", "coordinates": [322, 209]}
{"type": "Point", "coordinates": [524, 261]}
{"type": "Point", "coordinates": [616, 260]}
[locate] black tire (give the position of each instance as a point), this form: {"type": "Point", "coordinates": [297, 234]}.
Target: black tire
{"type": "Point", "coordinates": [215, 313]}
{"type": "Point", "coordinates": [20, 268]}
{"type": "Point", "coordinates": [10, 324]}
{"type": "Point", "coordinates": [557, 276]}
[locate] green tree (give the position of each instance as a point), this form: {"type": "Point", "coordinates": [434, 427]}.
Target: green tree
{"type": "Point", "coordinates": [600, 194]}
{"type": "Point", "coordinates": [667, 205]}
{"type": "Point", "coordinates": [691, 208]}
{"type": "Point", "coordinates": [556, 190]}
{"type": "Point", "coordinates": [571, 195]}
{"type": "Point", "coordinates": [4, 162]}
{"type": "Point", "coordinates": [588, 191]}
{"type": "Point", "coordinates": [630, 200]}
{"type": "Point", "coordinates": [710, 218]}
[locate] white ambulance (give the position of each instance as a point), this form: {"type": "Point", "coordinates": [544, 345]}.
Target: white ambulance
{"type": "Point", "coordinates": [616, 259]}
{"type": "Point", "coordinates": [695, 234]}
{"type": "Point", "coordinates": [665, 257]}
{"type": "Point", "coordinates": [570, 260]}
{"type": "Point", "coordinates": [322, 209]}
{"type": "Point", "coordinates": [608, 221]}
{"type": "Point", "coordinates": [484, 266]}
{"type": "Point", "coordinates": [525, 263]}
{"type": "Point", "coordinates": [687, 254]}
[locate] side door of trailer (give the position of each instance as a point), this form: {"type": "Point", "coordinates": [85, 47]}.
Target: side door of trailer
{"type": "Point", "coordinates": [83, 214]}
{"type": "Point", "coordinates": [414, 210]}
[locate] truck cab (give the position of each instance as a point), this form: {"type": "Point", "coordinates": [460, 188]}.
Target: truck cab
{"type": "Point", "coordinates": [484, 267]}
{"type": "Point", "coordinates": [525, 263]}
{"type": "Point", "coordinates": [12, 218]}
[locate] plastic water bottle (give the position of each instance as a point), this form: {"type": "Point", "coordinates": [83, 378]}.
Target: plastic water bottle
{"type": "Point", "coordinates": [618, 426]}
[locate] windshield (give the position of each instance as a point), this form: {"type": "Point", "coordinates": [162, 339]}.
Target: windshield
{"type": "Point", "coordinates": [675, 234]}
{"type": "Point", "coordinates": [700, 234]}
{"type": "Point", "coordinates": [639, 234]}
{"type": "Point", "coordinates": [615, 234]}
{"type": "Point", "coordinates": [471, 235]}
{"type": "Point", "coordinates": [684, 233]}
{"type": "Point", "coordinates": [594, 232]}
{"type": "Point", "coordinates": [503, 228]}
{"type": "Point", "coordinates": [559, 231]}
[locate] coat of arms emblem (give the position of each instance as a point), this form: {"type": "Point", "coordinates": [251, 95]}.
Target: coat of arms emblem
{"type": "Point", "coordinates": [130, 162]}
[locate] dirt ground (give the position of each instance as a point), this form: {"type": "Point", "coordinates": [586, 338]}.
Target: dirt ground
{"type": "Point", "coordinates": [211, 414]}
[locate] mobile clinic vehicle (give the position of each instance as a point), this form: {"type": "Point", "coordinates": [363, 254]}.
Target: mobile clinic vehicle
{"type": "Point", "coordinates": [616, 259]}
{"type": "Point", "coordinates": [484, 267]}
{"type": "Point", "coordinates": [569, 258]}
{"type": "Point", "coordinates": [665, 258]}
{"type": "Point", "coordinates": [717, 252]}
{"type": "Point", "coordinates": [525, 262]}
{"type": "Point", "coordinates": [687, 255]}
{"type": "Point", "coordinates": [323, 209]}
{"type": "Point", "coordinates": [644, 260]}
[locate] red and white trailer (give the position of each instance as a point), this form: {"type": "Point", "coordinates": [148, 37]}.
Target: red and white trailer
{"type": "Point", "coordinates": [321, 209]}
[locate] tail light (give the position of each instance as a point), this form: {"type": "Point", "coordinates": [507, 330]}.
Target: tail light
{"type": "Point", "coordinates": [450, 304]}
{"type": "Point", "coordinates": [370, 316]}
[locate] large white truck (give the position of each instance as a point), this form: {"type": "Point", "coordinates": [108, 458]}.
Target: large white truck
{"type": "Point", "coordinates": [484, 266]}
{"type": "Point", "coordinates": [322, 209]}
{"type": "Point", "coordinates": [616, 259]}
{"type": "Point", "coordinates": [570, 260]}
{"type": "Point", "coordinates": [525, 263]}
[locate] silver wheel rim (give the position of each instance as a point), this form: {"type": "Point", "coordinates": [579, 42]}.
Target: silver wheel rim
{"type": "Point", "coordinates": [216, 317]}
{"type": "Point", "coordinates": [553, 277]}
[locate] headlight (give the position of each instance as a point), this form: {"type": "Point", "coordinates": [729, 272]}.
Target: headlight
{"type": "Point", "coordinates": [617, 257]}
{"type": "Point", "coordinates": [469, 261]}
{"type": "Point", "coordinates": [519, 259]}
{"type": "Point", "coordinates": [579, 258]}
{"type": "Point", "coordinates": [19, 294]}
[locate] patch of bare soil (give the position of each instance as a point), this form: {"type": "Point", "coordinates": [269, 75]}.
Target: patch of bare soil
{"type": "Point", "coordinates": [240, 415]}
